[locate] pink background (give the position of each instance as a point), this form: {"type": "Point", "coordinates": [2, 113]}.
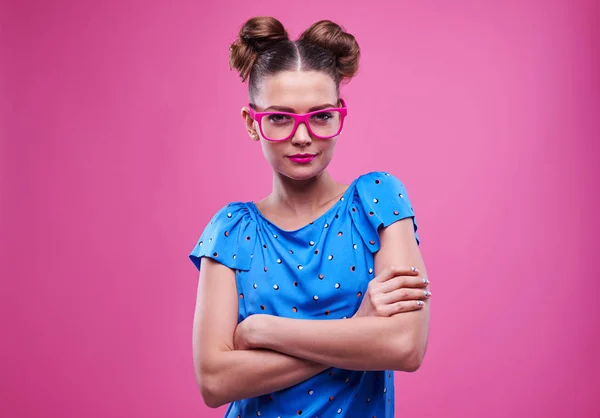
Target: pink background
{"type": "Point", "coordinates": [121, 136]}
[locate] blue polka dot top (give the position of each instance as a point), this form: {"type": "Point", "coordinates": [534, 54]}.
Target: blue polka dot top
{"type": "Point", "coordinates": [319, 271]}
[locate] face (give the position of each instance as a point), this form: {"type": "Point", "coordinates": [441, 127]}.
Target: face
{"type": "Point", "coordinates": [299, 91]}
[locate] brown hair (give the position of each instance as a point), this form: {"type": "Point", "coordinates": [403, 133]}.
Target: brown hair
{"type": "Point", "coordinates": [263, 48]}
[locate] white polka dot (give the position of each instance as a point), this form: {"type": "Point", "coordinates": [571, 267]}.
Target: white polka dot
{"type": "Point", "coordinates": [275, 287]}
{"type": "Point", "coordinates": [279, 261]}
{"type": "Point", "coordinates": [375, 200]}
{"type": "Point", "coordinates": [299, 266]}
{"type": "Point", "coordinates": [200, 243]}
{"type": "Point", "coordinates": [274, 236]}
{"type": "Point", "coordinates": [370, 271]}
{"type": "Point", "coordinates": [355, 246]}
{"type": "Point", "coordinates": [340, 411]}
{"type": "Point", "coordinates": [229, 215]}
{"type": "Point", "coordinates": [384, 390]}
{"type": "Point", "coordinates": [315, 297]}
{"type": "Point", "coordinates": [255, 285]}
{"type": "Point", "coordinates": [337, 285]}
{"type": "Point", "coordinates": [310, 392]}
{"type": "Point", "coordinates": [326, 226]}
{"type": "Point", "coordinates": [330, 257]}
{"type": "Point", "coordinates": [311, 243]}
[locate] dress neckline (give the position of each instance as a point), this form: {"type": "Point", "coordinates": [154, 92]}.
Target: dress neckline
{"type": "Point", "coordinates": [344, 197]}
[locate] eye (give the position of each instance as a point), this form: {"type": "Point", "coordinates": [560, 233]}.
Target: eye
{"type": "Point", "coordinates": [322, 116]}
{"type": "Point", "coordinates": [279, 118]}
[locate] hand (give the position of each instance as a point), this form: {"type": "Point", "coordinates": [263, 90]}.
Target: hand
{"type": "Point", "coordinates": [395, 290]}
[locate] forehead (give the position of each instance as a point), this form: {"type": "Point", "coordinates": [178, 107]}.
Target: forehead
{"type": "Point", "coordinates": [297, 89]}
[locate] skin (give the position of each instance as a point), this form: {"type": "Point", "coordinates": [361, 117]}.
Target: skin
{"type": "Point", "coordinates": [275, 352]}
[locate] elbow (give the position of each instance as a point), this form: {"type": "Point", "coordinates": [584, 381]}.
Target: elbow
{"type": "Point", "coordinates": [411, 356]}
{"type": "Point", "coordinates": [211, 393]}
{"type": "Point", "coordinates": [210, 396]}
{"type": "Point", "coordinates": [413, 360]}
{"type": "Point", "coordinates": [210, 369]}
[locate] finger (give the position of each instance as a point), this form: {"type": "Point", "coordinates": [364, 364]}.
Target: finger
{"type": "Point", "coordinates": [406, 306]}
{"type": "Point", "coordinates": [403, 281]}
{"type": "Point", "coordinates": [405, 294]}
{"type": "Point", "coordinates": [392, 271]}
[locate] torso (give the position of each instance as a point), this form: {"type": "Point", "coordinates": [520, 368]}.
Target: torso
{"type": "Point", "coordinates": [316, 267]}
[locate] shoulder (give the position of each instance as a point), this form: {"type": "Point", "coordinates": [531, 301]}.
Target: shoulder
{"type": "Point", "coordinates": [228, 237]}
{"type": "Point", "coordinates": [382, 182]}
{"type": "Point", "coordinates": [230, 213]}
{"type": "Point", "coordinates": [380, 199]}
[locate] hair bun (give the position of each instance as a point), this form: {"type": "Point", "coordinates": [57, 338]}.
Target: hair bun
{"type": "Point", "coordinates": [332, 37]}
{"type": "Point", "coordinates": [257, 35]}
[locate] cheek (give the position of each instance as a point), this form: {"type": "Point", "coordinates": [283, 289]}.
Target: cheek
{"type": "Point", "coordinates": [270, 151]}
{"type": "Point", "coordinates": [329, 148]}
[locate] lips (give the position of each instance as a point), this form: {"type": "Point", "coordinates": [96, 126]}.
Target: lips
{"type": "Point", "coordinates": [302, 158]}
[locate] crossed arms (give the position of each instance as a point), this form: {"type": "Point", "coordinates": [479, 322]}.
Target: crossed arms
{"type": "Point", "coordinates": [275, 352]}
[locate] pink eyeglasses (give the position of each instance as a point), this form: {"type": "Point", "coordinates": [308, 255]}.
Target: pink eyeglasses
{"type": "Point", "coordinates": [281, 126]}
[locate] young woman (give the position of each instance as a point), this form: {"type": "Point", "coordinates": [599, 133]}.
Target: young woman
{"type": "Point", "coordinates": [310, 298]}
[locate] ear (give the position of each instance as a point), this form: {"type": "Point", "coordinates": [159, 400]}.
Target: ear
{"type": "Point", "coordinates": [249, 123]}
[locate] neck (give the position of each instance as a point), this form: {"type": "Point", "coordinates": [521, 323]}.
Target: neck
{"type": "Point", "coordinates": [303, 197]}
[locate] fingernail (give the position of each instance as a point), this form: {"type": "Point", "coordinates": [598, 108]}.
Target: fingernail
{"type": "Point", "coordinates": [413, 268]}
{"type": "Point", "coordinates": [419, 303]}
{"type": "Point", "coordinates": [427, 293]}
{"type": "Point", "coordinates": [425, 280]}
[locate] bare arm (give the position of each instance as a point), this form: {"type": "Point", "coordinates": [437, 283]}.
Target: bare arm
{"type": "Point", "coordinates": [399, 341]}
{"type": "Point", "coordinates": [223, 373]}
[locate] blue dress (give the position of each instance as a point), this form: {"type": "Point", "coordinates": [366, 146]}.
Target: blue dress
{"type": "Point", "coordinates": [319, 271]}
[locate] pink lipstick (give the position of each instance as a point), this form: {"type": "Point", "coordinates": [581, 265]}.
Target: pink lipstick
{"type": "Point", "coordinates": [302, 158]}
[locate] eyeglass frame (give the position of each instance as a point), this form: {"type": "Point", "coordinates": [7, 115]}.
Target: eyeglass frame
{"type": "Point", "coordinates": [298, 118]}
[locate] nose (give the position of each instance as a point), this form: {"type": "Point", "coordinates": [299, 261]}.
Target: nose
{"type": "Point", "coordinates": [302, 135]}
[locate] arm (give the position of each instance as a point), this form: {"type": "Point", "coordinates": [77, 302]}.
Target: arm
{"type": "Point", "coordinates": [222, 373]}
{"type": "Point", "coordinates": [398, 341]}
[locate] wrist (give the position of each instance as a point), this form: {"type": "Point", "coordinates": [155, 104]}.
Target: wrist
{"type": "Point", "coordinates": [255, 334]}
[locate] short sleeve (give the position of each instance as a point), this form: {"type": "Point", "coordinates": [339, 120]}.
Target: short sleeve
{"type": "Point", "coordinates": [228, 238]}
{"type": "Point", "coordinates": [380, 199]}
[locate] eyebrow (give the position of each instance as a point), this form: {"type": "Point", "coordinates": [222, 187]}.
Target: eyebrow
{"type": "Point", "coordinates": [289, 109]}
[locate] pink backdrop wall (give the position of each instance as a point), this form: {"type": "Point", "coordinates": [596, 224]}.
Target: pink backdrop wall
{"type": "Point", "coordinates": [488, 111]}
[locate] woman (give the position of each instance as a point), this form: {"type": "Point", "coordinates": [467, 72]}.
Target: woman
{"type": "Point", "coordinates": [310, 298]}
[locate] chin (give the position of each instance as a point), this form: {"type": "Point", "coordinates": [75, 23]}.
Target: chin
{"type": "Point", "coordinates": [303, 172]}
